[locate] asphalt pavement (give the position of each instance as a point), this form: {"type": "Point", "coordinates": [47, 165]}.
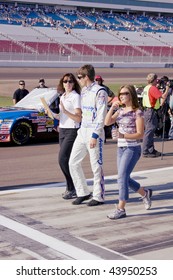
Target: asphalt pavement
{"type": "Point", "coordinates": [37, 224]}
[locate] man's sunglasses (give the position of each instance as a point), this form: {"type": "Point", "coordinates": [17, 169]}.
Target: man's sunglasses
{"type": "Point", "coordinates": [21, 84]}
{"type": "Point", "coordinates": [81, 76]}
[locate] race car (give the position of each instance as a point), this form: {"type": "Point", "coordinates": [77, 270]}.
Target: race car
{"type": "Point", "coordinates": [27, 119]}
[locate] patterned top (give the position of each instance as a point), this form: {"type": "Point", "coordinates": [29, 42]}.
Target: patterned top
{"type": "Point", "coordinates": [127, 124]}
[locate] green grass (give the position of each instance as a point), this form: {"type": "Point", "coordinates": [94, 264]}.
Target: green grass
{"type": "Point", "coordinates": [114, 87]}
{"type": "Point", "coordinates": [5, 101]}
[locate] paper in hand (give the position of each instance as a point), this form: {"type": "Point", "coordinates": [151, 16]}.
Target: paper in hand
{"type": "Point", "coordinates": [49, 112]}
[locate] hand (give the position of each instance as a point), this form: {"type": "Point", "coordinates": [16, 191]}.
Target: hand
{"type": "Point", "coordinates": [116, 104]}
{"type": "Point", "coordinates": [168, 84]}
{"type": "Point", "coordinates": [62, 107]}
{"type": "Point", "coordinates": [93, 143]}
{"type": "Point", "coordinates": [120, 135]}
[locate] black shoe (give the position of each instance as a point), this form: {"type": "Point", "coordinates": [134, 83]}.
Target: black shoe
{"type": "Point", "coordinates": [69, 194]}
{"type": "Point", "coordinates": [152, 155]}
{"type": "Point", "coordinates": [94, 202]}
{"type": "Point", "coordinates": [80, 199]}
{"type": "Point", "coordinates": [150, 192]}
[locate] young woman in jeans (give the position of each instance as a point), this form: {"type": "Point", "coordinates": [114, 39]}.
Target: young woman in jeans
{"type": "Point", "coordinates": [131, 129]}
{"type": "Point", "coordinates": [69, 122]}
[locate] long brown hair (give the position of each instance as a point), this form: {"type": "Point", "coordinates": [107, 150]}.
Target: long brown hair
{"type": "Point", "coordinates": [133, 94]}
{"type": "Point", "coordinates": [76, 86]}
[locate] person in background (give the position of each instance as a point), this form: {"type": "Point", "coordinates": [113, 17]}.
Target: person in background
{"type": "Point", "coordinates": [90, 138]}
{"type": "Point", "coordinates": [69, 122]}
{"type": "Point", "coordinates": [110, 93]}
{"type": "Point", "coordinates": [20, 93]}
{"type": "Point", "coordinates": [54, 106]}
{"type": "Point", "coordinates": [170, 134]}
{"type": "Point", "coordinates": [151, 103]}
{"type": "Point", "coordinates": [41, 84]}
{"type": "Point", "coordinates": [131, 129]}
{"type": "Point", "coordinates": [111, 96]}
{"type": "Point", "coordinates": [164, 123]}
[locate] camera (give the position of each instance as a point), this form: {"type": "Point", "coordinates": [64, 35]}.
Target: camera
{"type": "Point", "coordinates": [162, 83]}
{"type": "Point", "coordinates": [171, 84]}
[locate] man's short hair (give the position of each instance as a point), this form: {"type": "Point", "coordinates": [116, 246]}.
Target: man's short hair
{"type": "Point", "coordinates": [151, 77]}
{"type": "Point", "coordinates": [21, 82]}
{"type": "Point", "coordinates": [87, 70]}
{"type": "Point", "coordinates": [41, 81]}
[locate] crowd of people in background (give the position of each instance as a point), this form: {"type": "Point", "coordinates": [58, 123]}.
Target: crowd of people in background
{"type": "Point", "coordinates": [85, 107]}
{"type": "Point", "coordinates": [32, 15]}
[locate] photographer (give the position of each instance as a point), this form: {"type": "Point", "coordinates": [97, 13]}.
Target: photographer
{"type": "Point", "coordinates": [151, 103]}
{"type": "Point", "coordinates": [163, 115]}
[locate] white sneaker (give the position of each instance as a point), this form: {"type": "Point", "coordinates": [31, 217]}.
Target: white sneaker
{"type": "Point", "coordinates": [147, 199]}
{"type": "Point", "coordinates": [117, 214]}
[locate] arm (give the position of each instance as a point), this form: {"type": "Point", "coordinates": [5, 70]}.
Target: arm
{"type": "Point", "coordinates": [139, 130]}
{"type": "Point", "coordinates": [14, 98]}
{"type": "Point", "coordinates": [76, 116]}
{"type": "Point", "coordinates": [111, 116]}
{"type": "Point", "coordinates": [100, 113]}
{"type": "Point", "coordinates": [165, 94]}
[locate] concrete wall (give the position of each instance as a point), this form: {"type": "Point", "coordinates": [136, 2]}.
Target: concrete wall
{"type": "Point", "coordinates": [78, 64]}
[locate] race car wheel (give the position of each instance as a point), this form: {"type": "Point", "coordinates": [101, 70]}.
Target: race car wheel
{"type": "Point", "coordinates": [21, 133]}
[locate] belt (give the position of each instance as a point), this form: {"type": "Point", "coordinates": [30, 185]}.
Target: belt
{"type": "Point", "coordinates": [149, 108]}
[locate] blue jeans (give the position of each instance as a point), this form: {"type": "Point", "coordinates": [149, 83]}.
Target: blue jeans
{"type": "Point", "coordinates": [127, 158]}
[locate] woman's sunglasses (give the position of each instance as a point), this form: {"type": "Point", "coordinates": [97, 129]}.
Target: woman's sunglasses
{"type": "Point", "coordinates": [68, 81]}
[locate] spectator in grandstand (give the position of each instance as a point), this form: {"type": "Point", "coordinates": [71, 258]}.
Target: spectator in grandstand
{"type": "Point", "coordinates": [131, 129]}
{"type": "Point", "coordinates": [151, 103]}
{"type": "Point", "coordinates": [69, 122]}
{"type": "Point", "coordinates": [20, 93]}
{"type": "Point", "coordinates": [90, 138]}
{"type": "Point", "coordinates": [42, 84]}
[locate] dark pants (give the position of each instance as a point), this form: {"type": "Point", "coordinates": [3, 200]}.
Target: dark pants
{"type": "Point", "coordinates": [150, 121]}
{"type": "Point", "coordinates": [164, 122]}
{"type": "Point", "coordinates": [67, 137]}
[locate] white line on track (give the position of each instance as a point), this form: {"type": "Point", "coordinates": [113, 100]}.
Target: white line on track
{"type": "Point", "coordinates": [51, 242]}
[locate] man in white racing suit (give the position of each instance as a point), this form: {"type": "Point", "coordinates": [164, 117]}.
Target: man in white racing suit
{"type": "Point", "coordinates": [90, 138]}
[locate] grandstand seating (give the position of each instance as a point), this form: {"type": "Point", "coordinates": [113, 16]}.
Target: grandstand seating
{"type": "Point", "coordinates": [53, 31]}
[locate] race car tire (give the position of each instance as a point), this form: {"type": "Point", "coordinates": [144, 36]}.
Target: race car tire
{"type": "Point", "coordinates": [21, 133]}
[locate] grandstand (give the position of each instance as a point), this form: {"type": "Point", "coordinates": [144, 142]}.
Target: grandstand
{"type": "Point", "coordinates": [92, 31]}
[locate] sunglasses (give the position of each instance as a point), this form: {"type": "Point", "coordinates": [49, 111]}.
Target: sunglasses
{"type": "Point", "coordinates": [68, 81]}
{"type": "Point", "coordinates": [21, 84]}
{"type": "Point", "coordinates": [81, 76]}
{"type": "Point", "coordinates": [124, 93]}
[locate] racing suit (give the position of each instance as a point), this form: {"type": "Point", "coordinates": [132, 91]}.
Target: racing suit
{"type": "Point", "coordinates": [94, 109]}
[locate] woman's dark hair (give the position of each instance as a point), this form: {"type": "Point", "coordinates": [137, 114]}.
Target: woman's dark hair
{"type": "Point", "coordinates": [76, 86]}
{"type": "Point", "coordinates": [133, 94]}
